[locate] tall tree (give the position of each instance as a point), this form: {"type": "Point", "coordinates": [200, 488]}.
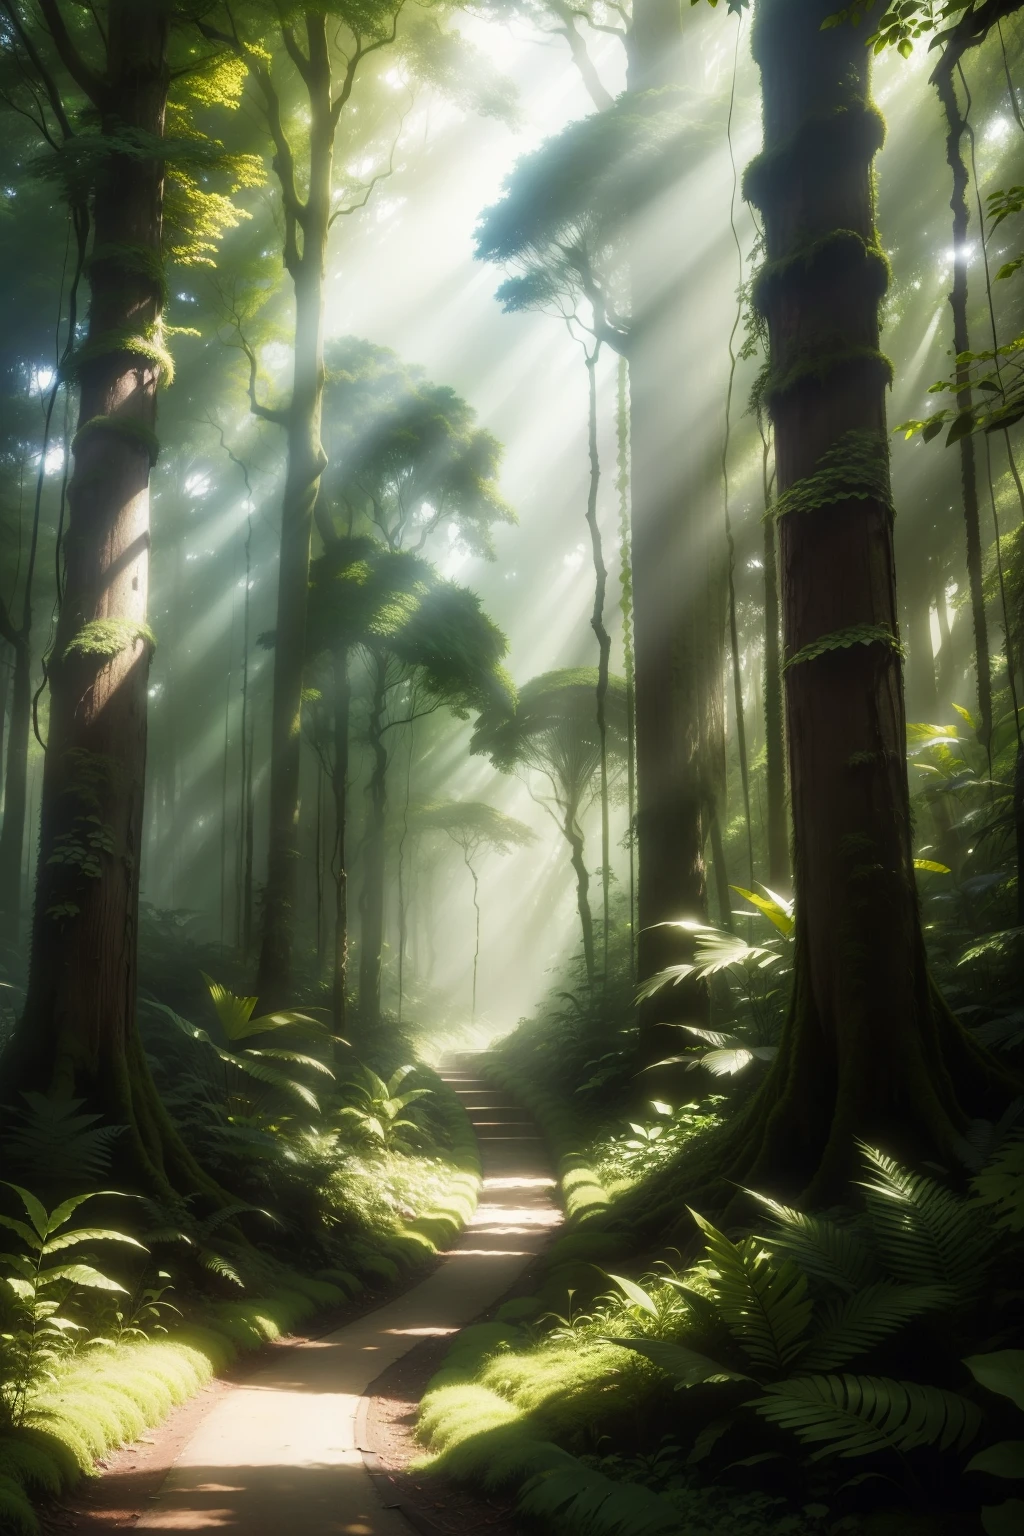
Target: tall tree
{"type": "Point", "coordinates": [475, 828]}
{"type": "Point", "coordinates": [552, 731]}
{"type": "Point", "coordinates": [427, 644]}
{"type": "Point", "coordinates": [869, 1048]}
{"type": "Point", "coordinates": [78, 1031]}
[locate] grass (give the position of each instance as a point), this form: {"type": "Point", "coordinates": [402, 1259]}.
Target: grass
{"type": "Point", "coordinates": [105, 1398]}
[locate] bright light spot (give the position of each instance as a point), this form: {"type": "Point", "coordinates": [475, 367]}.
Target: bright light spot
{"type": "Point", "coordinates": [917, 283]}
{"type": "Point", "coordinates": [997, 129]}
{"type": "Point", "coordinates": [191, 557]}
{"type": "Point", "coordinates": [574, 559]}
{"type": "Point", "coordinates": [54, 459]}
{"type": "Point", "coordinates": [44, 378]}
{"type": "Point", "coordinates": [198, 484]}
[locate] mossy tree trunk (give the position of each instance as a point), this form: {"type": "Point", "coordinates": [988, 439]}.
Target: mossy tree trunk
{"type": "Point", "coordinates": [371, 900]}
{"type": "Point", "coordinates": [678, 614]}
{"type": "Point", "coordinates": [307, 223]}
{"type": "Point", "coordinates": [956, 127]}
{"type": "Point", "coordinates": [77, 1035]}
{"type": "Point", "coordinates": [869, 1049]}
{"type": "Point", "coordinates": [776, 819]}
{"type": "Point", "coordinates": [12, 833]}
{"type": "Point", "coordinates": [339, 866]}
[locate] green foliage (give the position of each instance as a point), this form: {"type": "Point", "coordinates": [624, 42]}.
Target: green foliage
{"type": "Point", "coordinates": [51, 1141]}
{"type": "Point", "coordinates": [842, 640]}
{"type": "Point", "coordinates": [863, 1415]}
{"type": "Point", "coordinates": [37, 1331]}
{"type": "Point", "coordinates": [855, 468]}
{"type": "Point", "coordinates": [135, 433]}
{"type": "Point", "coordinates": [377, 1114]}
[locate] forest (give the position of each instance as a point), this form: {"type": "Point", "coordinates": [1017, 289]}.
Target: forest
{"type": "Point", "coordinates": [512, 767]}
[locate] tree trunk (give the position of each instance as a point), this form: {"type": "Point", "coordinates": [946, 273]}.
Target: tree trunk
{"type": "Point", "coordinates": [78, 1033]}
{"type": "Point", "coordinates": [371, 903]}
{"type": "Point", "coordinates": [869, 1049]}
{"type": "Point", "coordinates": [604, 647]}
{"type": "Point", "coordinates": [305, 463]}
{"type": "Point", "coordinates": [339, 782]}
{"type": "Point", "coordinates": [774, 731]}
{"type": "Point", "coordinates": [476, 945]}
{"type": "Point", "coordinates": [956, 127]}
{"type": "Point", "coordinates": [574, 837]}
{"type": "Point", "coordinates": [678, 615]}
{"type": "Point", "coordinates": [626, 609]}
{"type": "Point", "coordinates": [12, 834]}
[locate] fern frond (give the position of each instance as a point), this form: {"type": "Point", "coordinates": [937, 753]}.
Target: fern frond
{"type": "Point", "coordinates": [824, 1249]}
{"type": "Point", "coordinates": [764, 1305]}
{"type": "Point", "coordinates": [925, 1234]}
{"type": "Point", "coordinates": [864, 1415]}
{"type": "Point", "coordinates": [859, 1322]}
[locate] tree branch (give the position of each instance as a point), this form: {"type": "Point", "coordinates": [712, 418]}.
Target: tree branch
{"type": "Point", "coordinates": [85, 78]}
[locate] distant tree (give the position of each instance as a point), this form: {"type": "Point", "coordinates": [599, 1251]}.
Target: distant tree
{"type": "Point", "coordinates": [427, 645]}
{"type": "Point", "coordinates": [407, 460]}
{"type": "Point", "coordinates": [474, 827]}
{"type": "Point", "coordinates": [552, 731]}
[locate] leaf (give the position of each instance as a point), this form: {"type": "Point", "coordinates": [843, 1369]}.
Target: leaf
{"type": "Point", "coordinates": [1001, 1371]}
{"type": "Point", "coordinates": [234, 1012]}
{"type": "Point", "coordinates": [763, 1304]}
{"type": "Point", "coordinates": [91, 1235]}
{"type": "Point", "coordinates": [1006, 1459]}
{"type": "Point", "coordinates": [774, 909]}
{"type": "Point", "coordinates": [859, 1322]}
{"type": "Point", "coordinates": [634, 1293]}
{"type": "Point", "coordinates": [34, 1209]}
{"type": "Point", "coordinates": [80, 1274]}
{"type": "Point", "coordinates": [686, 1366]}
{"type": "Point", "coordinates": [932, 866]}
{"type": "Point", "coordinates": [63, 1213]}
{"type": "Point", "coordinates": [865, 1415]}
{"type": "Point", "coordinates": [24, 1231]}
{"type": "Point", "coordinates": [1003, 1519]}
{"type": "Point", "coordinates": [925, 1234]}
{"type": "Point", "coordinates": [823, 1248]}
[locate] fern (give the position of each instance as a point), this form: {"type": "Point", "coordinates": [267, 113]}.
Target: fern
{"type": "Point", "coordinates": [999, 1188]}
{"type": "Point", "coordinates": [925, 1235]}
{"type": "Point", "coordinates": [53, 1142]}
{"type": "Point", "coordinates": [864, 1415]}
{"type": "Point", "coordinates": [581, 1499]}
{"type": "Point", "coordinates": [824, 1249]}
{"type": "Point", "coordinates": [856, 1324]}
{"type": "Point", "coordinates": [765, 1306]}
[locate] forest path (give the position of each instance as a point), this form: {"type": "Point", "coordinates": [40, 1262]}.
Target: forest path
{"type": "Point", "coordinates": [281, 1453]}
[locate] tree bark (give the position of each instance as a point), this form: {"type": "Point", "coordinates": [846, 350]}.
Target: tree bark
{"type": "Point", "coordinates": [12, 834]}
{"type": "Point", "coordinates": [869, 1049]}
{"type": "Point", "coordinates": [371, 903]}
{"type": "Point", "coordinates": [678, 608]}
{"type": "Point", "coordinates": [305, 463]}
{"type": "Point", "coordinates": [956, 127]}
{"type": "Point", "coordinates": [78, 1033]}
{"type": "Point", "coordinates": [574, 837]}
{"type": "Point", "coordinates": [604, 647]}
{"type": "Point", "coordinates": [774, 730]}
{"type": "Point", "coordinates": [339, 784]}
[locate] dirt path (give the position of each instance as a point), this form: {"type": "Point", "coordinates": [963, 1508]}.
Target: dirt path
{"type": "Point", "coordinates": [281, 1453]}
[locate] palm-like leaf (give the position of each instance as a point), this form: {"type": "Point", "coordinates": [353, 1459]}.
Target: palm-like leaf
{"type": "Point", "coordinates": [824, 1249]}
{"type": "Point", "coordinates": [925, 1234]}
{"type": "Point", "coordinates": [236, 1014]}
{"type": "Point", "coordinates": [859, 1322]}
{"type": "Point", "coordinates": [864, 1415]}
{"type": "Point", "coordinates": [764, 1305]}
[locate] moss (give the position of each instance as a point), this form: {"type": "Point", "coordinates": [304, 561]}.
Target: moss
{"type": "Point", "coordinates": [137, 260]}
{"type": "Point", "coordinates": [136, 433]}
{"type": "Point", "coordinates": [817, 364]}
{"type": "Point", "coordinates": [108, 638]}
{"type": "Point", "coordinates": [855, 468]}
{"type": "Point", "coordinates": [823, 142]}
{"type": "Point", "coordinates": [582, 1192]}
{"type": "Point", "coordinates": [838, 254]}
{"type": "Point", "coordinates": [111, 343]}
